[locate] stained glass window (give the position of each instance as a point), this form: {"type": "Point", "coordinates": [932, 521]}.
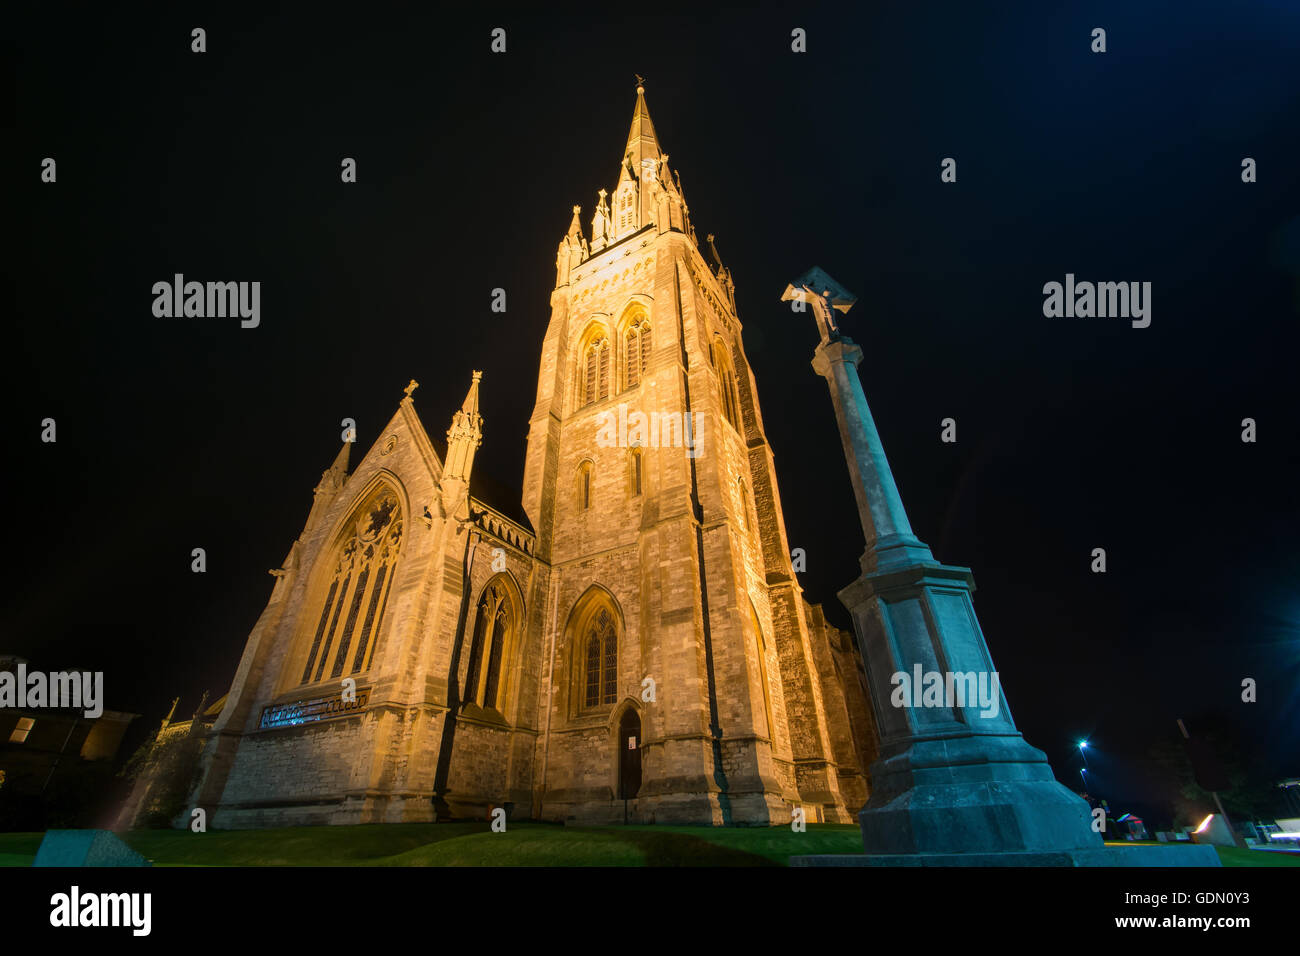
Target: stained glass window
{"type": "Point", "coordinates": [610, 668]}
{"type": "Point", "coordinates": [494, 659]}
{"type": "Point", "coordinates": [602, 659]}
{"type": "Point", "coordinates": [637, 354]}
{"type": "Point", "coordinates": [593, 670]}
{"type": "Point", "coordinates": [320, 629]}
{"type": "Point", "coordinates": [596, 371]}
{"type": "Point", "coordinates": [362, 577]}
{"type": "Point", "coordinates": [492, 633]}
{"type": "Point", "coordinates": [476, 650]}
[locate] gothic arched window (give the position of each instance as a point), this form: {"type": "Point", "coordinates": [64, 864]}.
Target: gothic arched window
{"type": "Point", "coordinates": [595, 371]}
{"type": "Point", "coordinates": [637, 351]}
{"type": "Point", "coordinates": [718, 354]}
{"type": "Point", "coordinates": [761, 648]}
{"type": "Point", "coordinates": [636, 472]}
{"type": "Point", "coordinates": [600, 639]}
{"type": "Point", "coordinates": [626, 215]}
{"type": "Point", "coordinates": [493, 631]}
{"type": "Point", "coordinates": [729, 396]}
{"type": "Point", "coordinates": [362, 575]}
{"type": "Point", "coordinates": [584, 485]}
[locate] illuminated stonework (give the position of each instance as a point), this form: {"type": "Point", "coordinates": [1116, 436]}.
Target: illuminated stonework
{"type": "Point", "coordinates": [504, 656]}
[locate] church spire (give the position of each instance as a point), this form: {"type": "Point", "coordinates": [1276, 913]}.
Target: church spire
{"type": "Point", "coordinates": [646, 194]}
{"type": "Point", "coordinates": [332, 478]}
{"type": "Point", "coordinates": [331, 481]}
{"type": "Point", "coordinates": [341, 459]}
{"type": "Point", "coordinates": [465, 435]}
{"type": "Point", "coordinates": [642, 144]}
{"type": "Point", "coordinates": [572, 250]}
{"type": "Point", "coordinates": [635, 201]}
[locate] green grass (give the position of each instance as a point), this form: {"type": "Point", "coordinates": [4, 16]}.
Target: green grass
{"type": "Point", "coordinates": [523, 844]}
{"type": "Point", "coordinates": [1235, 856]}
{"type": "Point", "coordinates": [19, 849]}
{"type": "Point", "coordinates": [471, 844]}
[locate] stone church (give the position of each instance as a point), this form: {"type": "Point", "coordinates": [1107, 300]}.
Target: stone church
{"type": "Point", "coordinates": [633, 638]}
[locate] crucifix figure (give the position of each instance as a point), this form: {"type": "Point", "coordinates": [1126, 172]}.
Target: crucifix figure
{"type": "Point", "coordinates": [826, 297]}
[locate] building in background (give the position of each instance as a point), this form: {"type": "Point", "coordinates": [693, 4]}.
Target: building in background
{"type": "Point", "coordinates": [163, 772]}
{"type": "Point", "coordinates": [57, 763]}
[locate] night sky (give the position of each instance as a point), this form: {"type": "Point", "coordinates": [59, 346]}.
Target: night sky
{"type": "Point", "coordinates": [1072, 433]}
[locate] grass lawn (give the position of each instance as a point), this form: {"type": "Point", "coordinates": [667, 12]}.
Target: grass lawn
{"type": "Point", "coordinates": [1233, 856]}
{"type": "Point", "coordinates": [471, 844]}
{"type": "Point", "coordinates": [523, 844]}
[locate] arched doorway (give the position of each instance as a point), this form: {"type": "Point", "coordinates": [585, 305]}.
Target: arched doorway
{"type": "Point", "coordinates": [629, 755]}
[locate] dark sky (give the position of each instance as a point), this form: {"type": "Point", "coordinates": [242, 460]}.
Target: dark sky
{"type": "Point", "coordinates": [1072, 433]}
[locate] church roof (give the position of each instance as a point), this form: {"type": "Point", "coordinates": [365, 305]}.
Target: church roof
{"type": "Point", "coordinates": [501, 497]}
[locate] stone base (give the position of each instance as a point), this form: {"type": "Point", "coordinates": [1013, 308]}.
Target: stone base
{"type": "Point", "coordinates": [996, 816]}
{"type": "Point", "coordinates": [86, 848]}
{"type": "Point", "coordinates": [975, 793]}
{"type": "Point", "coordinates": [1162, 856]}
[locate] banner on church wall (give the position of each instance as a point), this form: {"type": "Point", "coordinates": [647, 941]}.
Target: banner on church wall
{"type": "Point", "coordinates": [307, 711]}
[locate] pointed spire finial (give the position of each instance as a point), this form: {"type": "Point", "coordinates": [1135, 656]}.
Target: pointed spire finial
{"type": "Point", "coordinates": [640, 82]}
{"type": "Point", "coordinates": [341, 459]}
{"type": "Point", "coordinates": [464, 436]}
{"type": "Point", "coordinates": [642, 143]}
{"type": "Point", "coordinates": [714, 249]}
{"type": "Point", "coordinates": [469, 408]}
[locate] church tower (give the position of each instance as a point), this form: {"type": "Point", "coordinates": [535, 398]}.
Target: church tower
{"type": "Point", "coordinates": [633, 642]}
{"type": "Point", "coordinates": [686, 672]}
